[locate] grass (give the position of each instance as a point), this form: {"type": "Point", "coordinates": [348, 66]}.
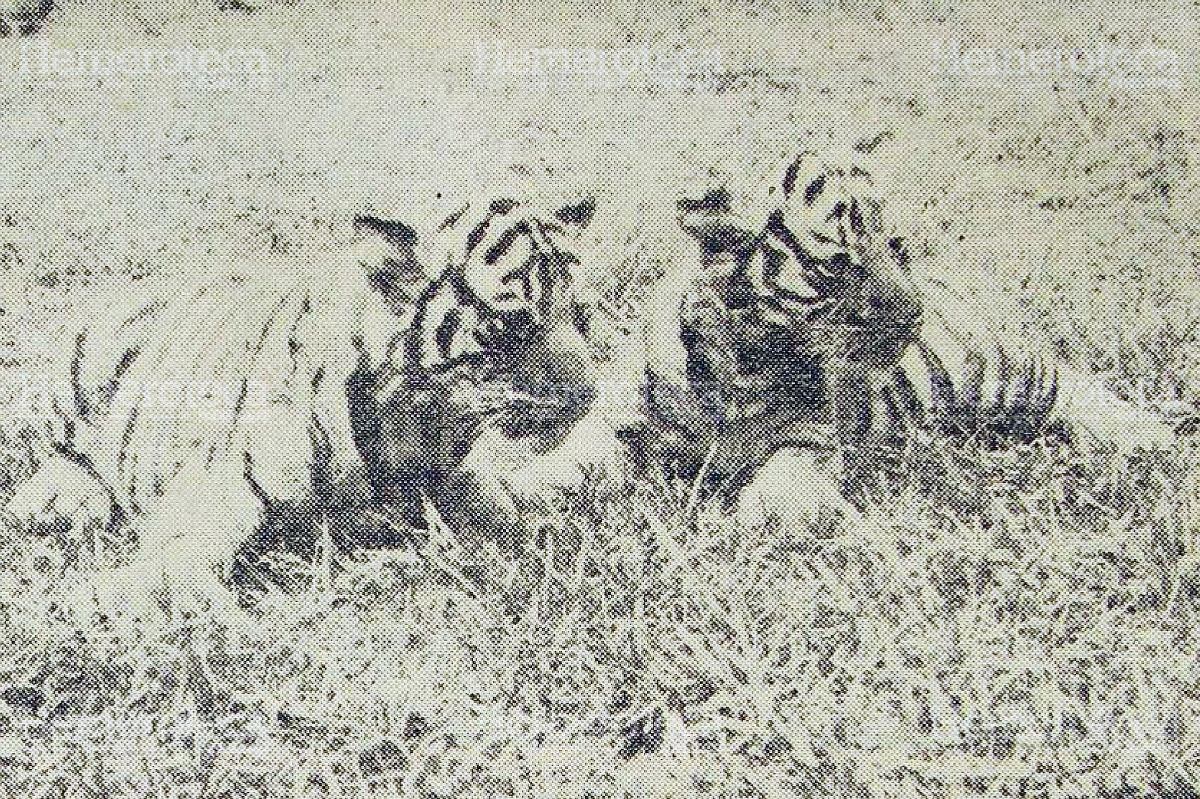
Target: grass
{"type": "Point", "coordinates": [1035, 637]}
{"type": "Point", "coordinates": [1019, 623]}
{"type": "Point", "coordinates": [1006, 623]}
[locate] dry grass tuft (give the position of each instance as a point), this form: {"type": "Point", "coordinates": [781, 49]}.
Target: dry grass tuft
{"type": "Point", "coordinates": [1035, 639]}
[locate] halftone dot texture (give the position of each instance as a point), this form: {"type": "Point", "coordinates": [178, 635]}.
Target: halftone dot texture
{"type": "Point", "coordinates": [992, 614]}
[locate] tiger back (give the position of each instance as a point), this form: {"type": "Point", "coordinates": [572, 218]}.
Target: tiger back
{"type": "Point", "coordinates": [970, 377]}
{"type": "Point", "coordinates": [222, 403]}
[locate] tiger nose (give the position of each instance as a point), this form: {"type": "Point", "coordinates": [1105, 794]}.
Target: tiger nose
{"type": "Point", "coordinates": [889, 301]}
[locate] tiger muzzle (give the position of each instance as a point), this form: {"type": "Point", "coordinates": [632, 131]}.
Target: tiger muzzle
{"type": "Point", "coordinates": [506, 334]}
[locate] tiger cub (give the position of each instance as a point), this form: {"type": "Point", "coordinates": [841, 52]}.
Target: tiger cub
{"type": "Point", "coordinates": [805, 350]}
{"type": "Point", "coordinates": [761, 365]}
{"type": "Point", "coordinates": [268, 400]}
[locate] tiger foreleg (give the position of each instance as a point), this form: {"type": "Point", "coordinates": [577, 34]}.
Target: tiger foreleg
{"type": "Point", "coordinates": [186, 549]}
{"type": "Point", "coordinates": [63, 494]}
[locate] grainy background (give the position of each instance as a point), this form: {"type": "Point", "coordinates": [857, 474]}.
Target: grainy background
{"type": "Point", "coordinates": [1040, 643]}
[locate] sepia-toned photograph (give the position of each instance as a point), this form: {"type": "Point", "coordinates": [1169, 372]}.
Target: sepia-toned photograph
{"type": "Point", "coordinates": [582, 399]}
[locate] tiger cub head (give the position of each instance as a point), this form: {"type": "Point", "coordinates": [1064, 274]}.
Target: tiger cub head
{"type": "Point", "coordinates": [824, 262]}
{"type": "Point", "coordinates": [785, 323]}
{"type": "Point", "coordinates": [508, 295]}
{"type": "Point", "coordinates": [500, 350]}
{"type": "Point", "coordinates": [854, 267]}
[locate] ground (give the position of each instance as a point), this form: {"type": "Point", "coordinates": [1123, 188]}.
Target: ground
{"type": "Point", "coordinates": [1029, 632]}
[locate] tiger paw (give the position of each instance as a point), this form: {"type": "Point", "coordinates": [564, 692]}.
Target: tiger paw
{"type": "Point", "coordinates": [795, 491]}
{"type": "Point", "coordinates": [197, 595]}
{"type": "Point", "coordinates": [123, 599]}
{"type": "Point", "coordinates": [61, 495]}
{"type": "Point", "coordinates": [148, 595]}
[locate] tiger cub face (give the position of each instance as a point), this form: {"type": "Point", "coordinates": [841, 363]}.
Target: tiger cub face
{"type": "Point", "coordinates": [773, 338]}
{"type": "Point", "coordinates": [504, 321]}
{"type": "Point", "coordinates": [497, 367]}
{"type": "Point", "coordinates": [829, 263]}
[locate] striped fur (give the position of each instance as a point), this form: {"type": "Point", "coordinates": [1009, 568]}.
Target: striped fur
{"type": "Point", "coordinates": [493, 392]}
{"type": "Point", "coordinates": [223, 407]}
{"type": "Point", "coordinates": [969, 377]}
{"type": "Point", "coordinates": [273, 401]}
{"type": "Point", "coordinates": [968, 373]}
{"type": "Point", "coordinates": [772, 345]}
{"type": "Point", "coordinates": [804, 351]}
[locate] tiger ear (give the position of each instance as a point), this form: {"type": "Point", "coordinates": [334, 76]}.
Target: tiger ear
{"type": "Point", "coordinates": [714, 201]}
{"type": "Point", "coordinates": [386, 250]}
{"type": "Point", "coordinates": [719, 233]}
{"type": "Point", "coordinates": [711, 221]}
{"type": "Point", "coordinates": [394, 232]}
{"type": "Point", "coordinates": [578, 215]}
